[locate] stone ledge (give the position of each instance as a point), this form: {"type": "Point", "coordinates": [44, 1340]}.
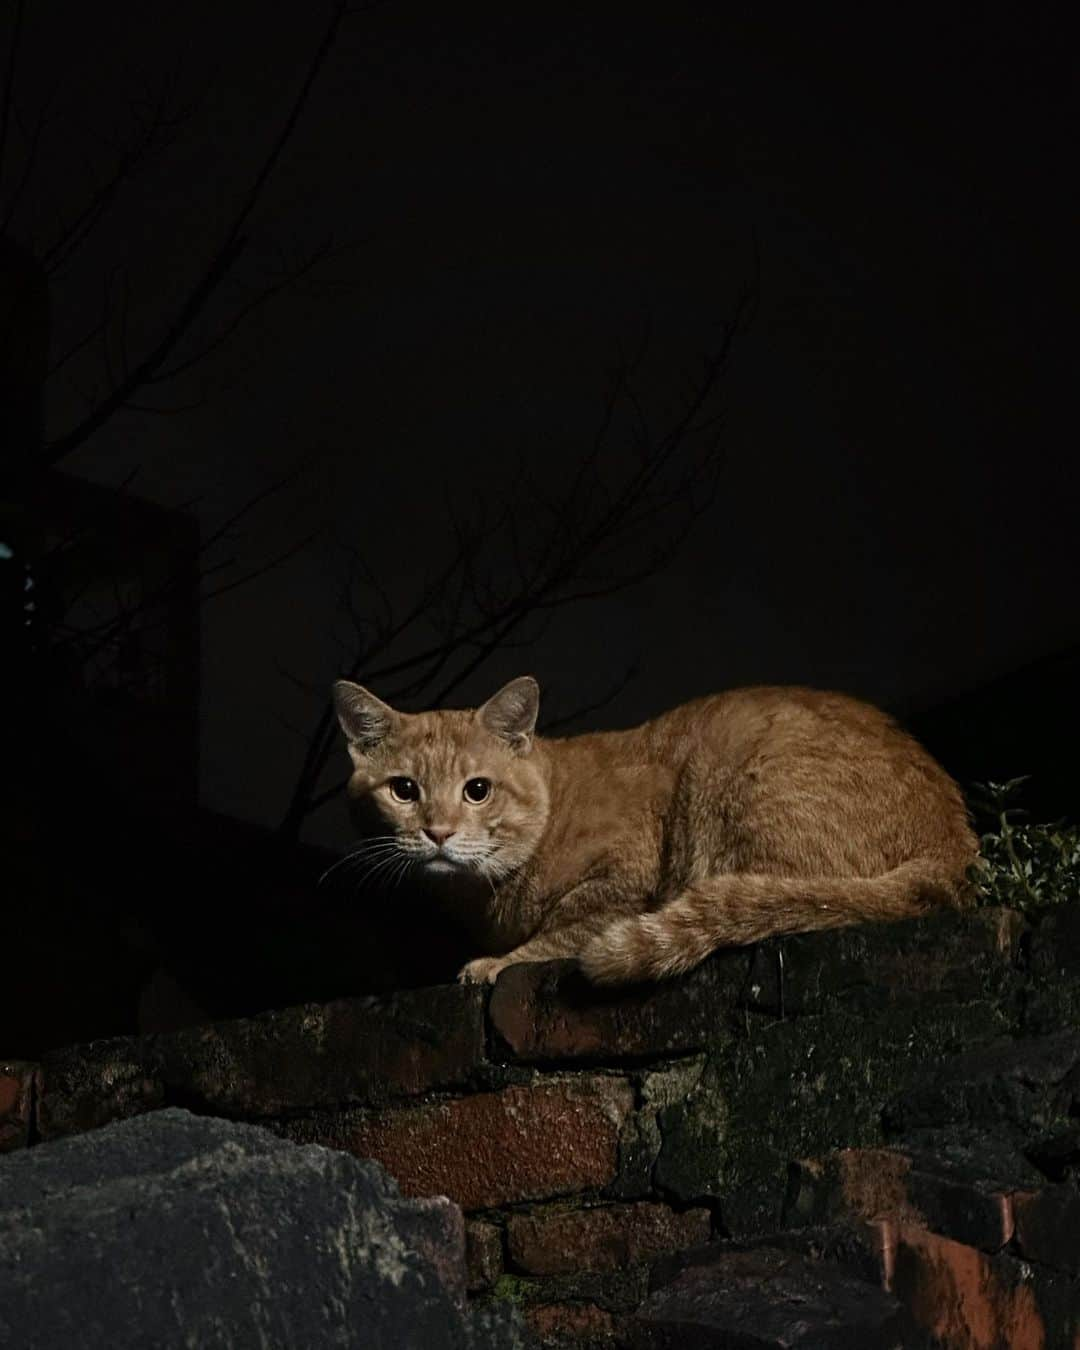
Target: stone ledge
{"type": "Point", "coordinates": [547, 1011]}
{"type": "Point", "coordinates": [368, 1050]}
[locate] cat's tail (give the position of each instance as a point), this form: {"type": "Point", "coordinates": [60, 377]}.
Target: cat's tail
{"type": "Point", "coordinates": [741, 907]}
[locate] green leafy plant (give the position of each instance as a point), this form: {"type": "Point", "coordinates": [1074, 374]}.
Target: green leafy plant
{"type": "Point", "coordinates": [1023, 865]}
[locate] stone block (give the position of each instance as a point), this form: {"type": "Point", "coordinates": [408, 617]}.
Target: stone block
{"type": "Point", "coordinates": [173, 1230]}
{"type": "Point", "coordinates": [768, 1299]}
{"type": "Point", "coordinates": [608, 1237]}
{"type": "Point", "coordinates": [18, 1089]}
{"type": "Point", "coordinates": [549, 1011]}
{"type": "Point", "coordinates": [556, 1137]}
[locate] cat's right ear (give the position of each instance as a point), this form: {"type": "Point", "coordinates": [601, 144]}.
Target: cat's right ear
{"type": "Point", "coordinates": [365, 719]}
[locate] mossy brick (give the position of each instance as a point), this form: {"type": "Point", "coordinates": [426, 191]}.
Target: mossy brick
{"type": "Point", "coordinates": [950, 956]}
{"type": "Point", "coordinates": [18, 1091]}
{"type": "Point", "coordinates": [556, 1137]}
{"type": "Point", "coordinates": [639, 1142]}
{"type": "Point", "coordinates": [1051, 998]}
{"type": "Point", "coordinates": [548, 1011]}
{"type": "Point", "coordinates": [1021, 1083]}
{"type": "Point", "coordinates": [616, 1291]}
{"type": "Point", "coordinates": [960, 1296]}
{"type": "Point", "coordinates": [768, 1299]}
{"type": "Point", "coordinates": [364, 1050]}
{"type": "Point", "coordinates": [795, 1089]}
{"type": "Point", "coordinates": [1053, 948]}
{"type": "Point", "coordinates": [603, 1237]}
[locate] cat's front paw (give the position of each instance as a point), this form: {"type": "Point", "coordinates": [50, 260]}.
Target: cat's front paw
{"type": "Point", "coordinates": [484, 970]}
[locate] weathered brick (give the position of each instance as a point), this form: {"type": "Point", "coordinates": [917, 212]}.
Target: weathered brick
{"type": "Point", "coordinates": [89, 1085]}
{"type": "Point", "coordinates": [958, 1193]}
{"type": "Point", "coordinates": [363, 1050]}
{"type": "Point", "coordinates": [495, 1148]}
{"type": "Point", "coordinates": [18, 1085]}
{"type": "Point", "coordinates": [968, 1300]}
{"type": "Point", "coordinates": [948, 955]}
{"type": "Point", "coordinates": [573, 1322]}
{"type": "Point", "coordinates": [766, 1299]}
{"type": "Point", "coordinates": [483, 1254]}
{"type": "Point", "coordinates": [1048, 1227]}
{"type": "Point", "coordinates": [547, 1010]}
{"type": "Point", "coordinates": [608, 1237]}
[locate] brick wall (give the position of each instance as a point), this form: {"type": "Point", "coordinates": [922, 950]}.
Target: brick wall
{"type": "Point", "coordinates": [860, 1138]}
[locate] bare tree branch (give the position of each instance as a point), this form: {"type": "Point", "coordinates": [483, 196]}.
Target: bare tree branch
{"type": "Point", "coordinates": [583, 542]}
{"type": "Point", "coordinates": [9, 81]}
{"type": "Point", "coordinates": [218, 268]}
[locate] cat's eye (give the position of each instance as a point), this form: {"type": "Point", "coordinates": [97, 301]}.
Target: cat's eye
{"type": "Point", "coordinates": [404, 790]}
{"type": "Point", "coordinates": [477, 790]}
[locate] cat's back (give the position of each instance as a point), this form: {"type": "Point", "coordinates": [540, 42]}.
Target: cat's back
{"type": "Point", "coordinates": [775, 718]}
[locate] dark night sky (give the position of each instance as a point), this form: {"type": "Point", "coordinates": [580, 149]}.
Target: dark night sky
{"type": "Point", "coordinates": [898, 512]}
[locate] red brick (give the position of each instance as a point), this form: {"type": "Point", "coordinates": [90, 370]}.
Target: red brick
{"type": "Point", "coordinates": [496, 1148]}
{"type": "Point", "coordinates": [18, 1087]}
{"type": "Point", "coordinates": [483, 1255]}
{"type": "Point", "coordinates": [962, 1297]}
{"type": "Point", "coordinates": [609, 1237]}
{"type": "Point", "coordinates": [1048, 1227]}
{"type": "Point", "coordinates": [569, 1321]}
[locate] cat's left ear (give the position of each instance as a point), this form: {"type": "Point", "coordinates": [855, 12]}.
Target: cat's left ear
{"type": "Point", "coordinates": [511, 713]}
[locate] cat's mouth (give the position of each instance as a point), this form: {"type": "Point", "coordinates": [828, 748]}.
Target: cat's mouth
{"type": "Point", "coordinates": [444, 862]}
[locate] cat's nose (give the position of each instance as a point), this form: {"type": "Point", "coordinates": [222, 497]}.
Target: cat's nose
{"type": "Point", "coordinates": [439, 833]}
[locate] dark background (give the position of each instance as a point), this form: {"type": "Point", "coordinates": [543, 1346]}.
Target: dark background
{"type": "Point", "coordinates": [512, 197]}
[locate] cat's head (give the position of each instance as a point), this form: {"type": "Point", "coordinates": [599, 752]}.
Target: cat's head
{"type": "Point", "coordinates": [447, 793]}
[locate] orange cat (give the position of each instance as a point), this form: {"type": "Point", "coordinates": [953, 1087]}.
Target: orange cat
{"type": "Point", "coordinates": [729, 819]}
